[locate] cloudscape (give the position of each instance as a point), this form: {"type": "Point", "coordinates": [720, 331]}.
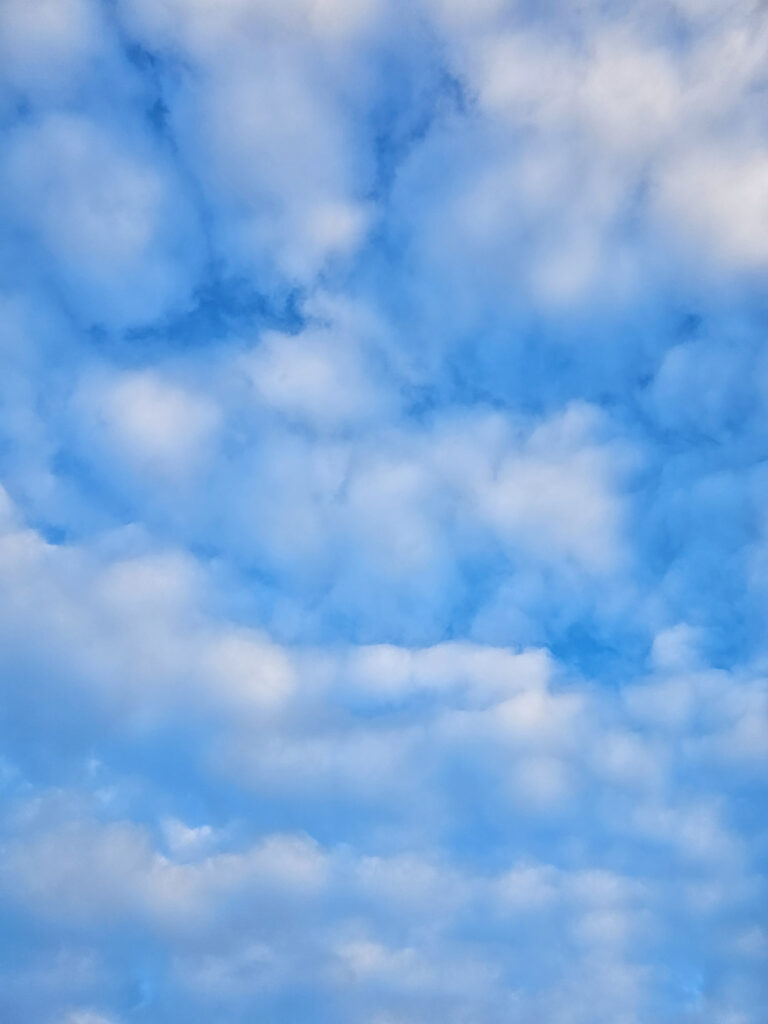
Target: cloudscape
{"type": "Point", "coordinates": [383, 512]}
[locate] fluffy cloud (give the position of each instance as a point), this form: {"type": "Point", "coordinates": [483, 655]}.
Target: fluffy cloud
{"type": "Point", "coordinates": [47, 50]}
{"type": "Point", "coordinates": [83, 871]}
{"type": "Point", "coordinates": [382, 525]}
{"type": "Point", "coordinates": [99, 206]}
{"type": "Point", "coordinates": [150, 422]}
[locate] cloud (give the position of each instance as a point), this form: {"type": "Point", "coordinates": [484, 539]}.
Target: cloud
{"type": "Point", "coordinates": [47, 50]}
{"type": "Point", "coordinates": [98, 205]}
{"type": "Point", "coordinates": [151, 423]}
{"type": "Point", "coordinates": [270, 136]}
{"type": "Point", "coordinates": [87, 1017]}
{"type": "Point", "coordinates": [382, 518]}
{"type": "Point", "coordinates": [720, 200]}
{"type": "Point", "coordinates": [84, 871]}
{"type": "Point", "coordinates": [313, 378]}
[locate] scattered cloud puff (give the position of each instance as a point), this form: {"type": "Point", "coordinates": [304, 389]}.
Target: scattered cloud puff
{"type": "Point", "coordinates": [157, 425]}
{"type": "Point", "coordinates": [383, 534]}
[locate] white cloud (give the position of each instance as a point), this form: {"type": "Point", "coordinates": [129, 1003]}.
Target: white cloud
{"type": "Point", "coordinates": [676, 648]}
{"type": "Point", "coordinates": [720, 199]}
{"type": "Point", "coordinates": [84, 871]}
{"type": "Point", "coordinates": [365, 961]}
{"type": "Point", "coordinates": [186, 841]}
{"type": "Point", "coordinates": [580, 138]}
{"type": "Point", "coordinates": [486, 674]}
{"type": "Point", "coordinates": [153, 423]}
{"type": "Point", "coordinates": [93, 203]}
{"type": "Point", "coordinates": [631, 95]}
{"type": "Point", "coordinates": [131, 631]}
{"type": "Point", "coordinates": [247, 670]}
{"type": "Point", "coordinates": [413, 884]}
{"type": "Point", "coordinates": [528, 887]}
{"type": "Point", "coordinates": [387, 265]}
{"type": "Point", "coordinates": [542, 782]}
{"type": "Point", "coordinates": [47, 45]}
{"type": "Point", "coordinates": [103, 208]}
{"type": "Point", "coordinates": [630, 758]}
{"type": "Point", "coordinates": [165, 584]}
{"type": "Point", "coordinates": [268, 131]}
{"type": "Point", "coordinates": [249, 969]}
{"type": "Point", "coordinates": [552, 491]}
{"type": "Point", "coordinates": [87, 1017]}
{"type": "Point", "coordinates": [542, 718]}
{"type": "Point", "coordinates": [697, 830]}
{"type": "Point", "coordinates": [314, 377]}
{"type": "Point", "coordinates": [363, 763]}
{"type": "Point", "coordinates": [206, 32]}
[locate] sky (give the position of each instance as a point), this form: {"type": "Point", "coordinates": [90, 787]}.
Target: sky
{"type": "Point", "coordinates": [383, 512]}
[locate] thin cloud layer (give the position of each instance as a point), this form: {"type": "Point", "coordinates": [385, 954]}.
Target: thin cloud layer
{"type": "Point", "coordinates": [383, 533]}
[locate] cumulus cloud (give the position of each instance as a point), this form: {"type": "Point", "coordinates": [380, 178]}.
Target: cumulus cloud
{"type": "Point", "coordinates": [149, 422]}
{"type": "Point", "coordinates": [98, 206]}
{"type": "Point", "coordinates": [84, 871]}
{"type": "Point", "coordinates": [313, 378]}
{"type": "Point", "coordinates": [382, 521]}
{"type": "Point", "coordinates": [47, 50]}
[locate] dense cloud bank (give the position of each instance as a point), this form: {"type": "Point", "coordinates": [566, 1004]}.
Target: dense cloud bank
{"type": "Point", "coordinates": [383, 523]}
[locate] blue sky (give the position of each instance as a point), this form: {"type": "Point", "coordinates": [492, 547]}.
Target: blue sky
{"type": "Point", "coordinates": [383, 521]}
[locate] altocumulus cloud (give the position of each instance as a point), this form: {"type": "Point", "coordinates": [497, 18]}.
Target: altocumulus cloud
{"type": "Point", "coordinates": [383, 522]}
